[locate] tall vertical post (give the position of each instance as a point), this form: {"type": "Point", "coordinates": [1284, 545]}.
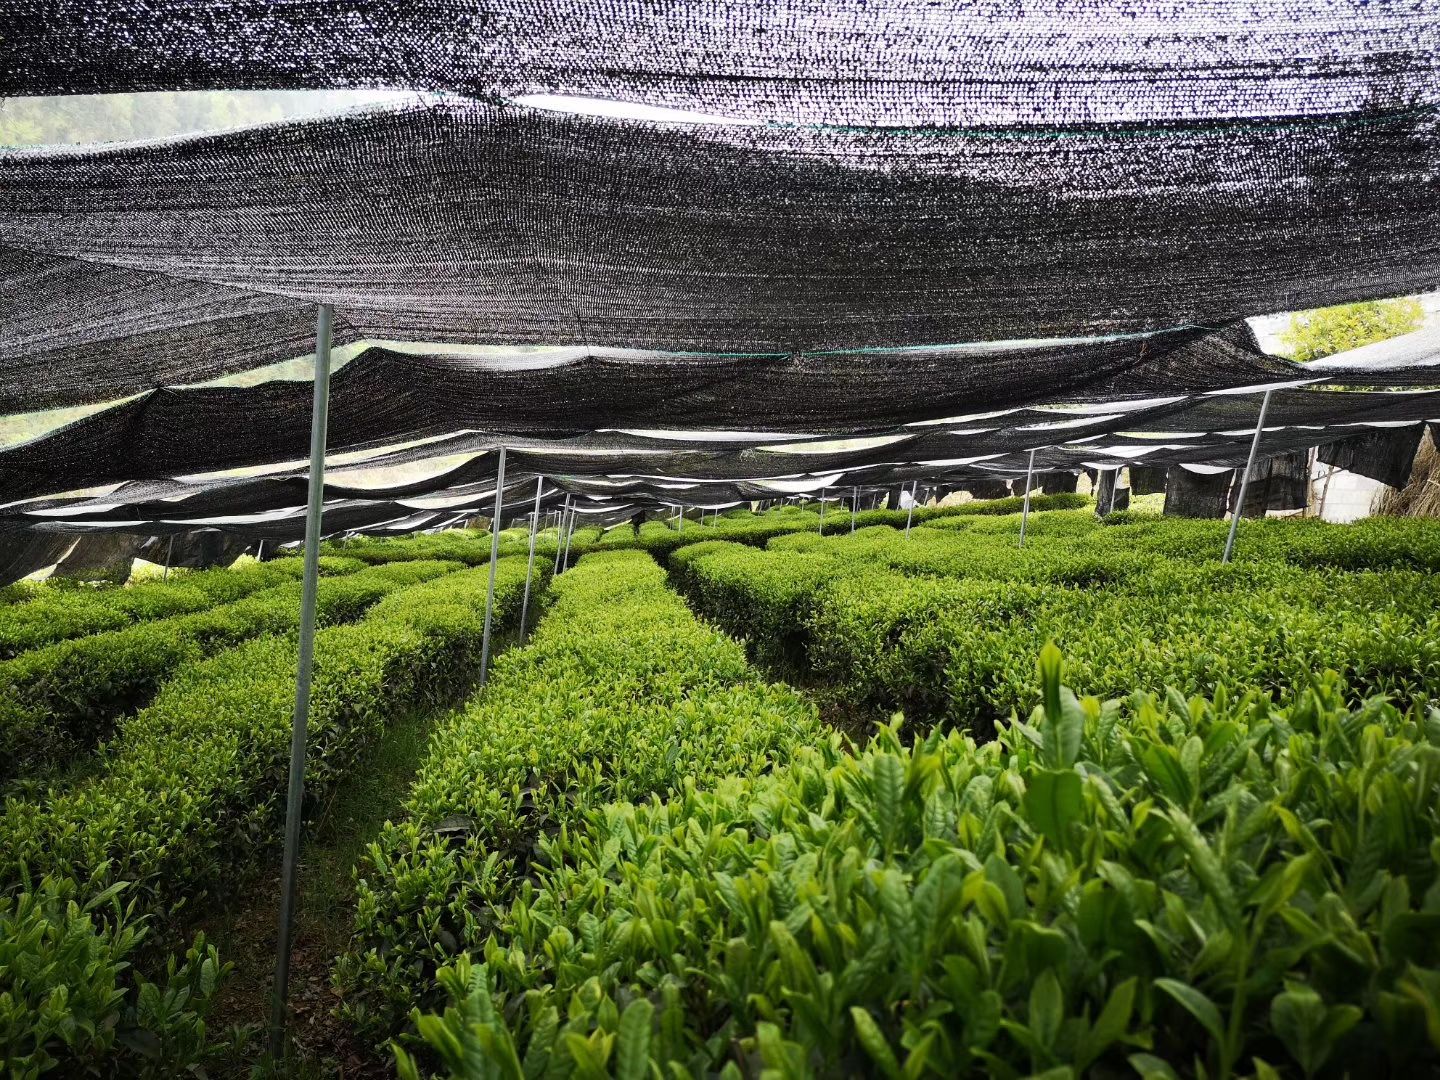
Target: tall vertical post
{"type": "Point", "coordinates": [854, 507]}
{"type": "Point", "coordinates": [1025, 510]}
{"type": "Point", "coordinates": [1325, 492]}
{"type": "Point", "coordinates": [822, 511]}
{"type": "Point", "coordinates": [1245, 478]}
{"type": "Point", "coordinates": [530, 564]}
{"type": "Point", "coordinates": [569, 535]}
{"type": "Point", "coordinates": [560, 533]}
{"type": "Point", "coordinates": [294, 799]}
{"type": "Point", "coordinates": [494, 558]}
{"type": "Point", "coordinates": [914, 485]}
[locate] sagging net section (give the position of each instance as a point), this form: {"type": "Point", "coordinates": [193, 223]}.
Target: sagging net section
{"type": "Point", "coordinates": [899, 62]}
{"type": "Point", "coordinates": [464, 222]}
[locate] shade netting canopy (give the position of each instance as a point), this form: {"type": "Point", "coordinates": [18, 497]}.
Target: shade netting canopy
{"type": "Point", "coordinates": [948, 246]}
{"type": "Point", "coordinates": [467, 222]}
{"type": "Point", "coordinates": [840, 61]}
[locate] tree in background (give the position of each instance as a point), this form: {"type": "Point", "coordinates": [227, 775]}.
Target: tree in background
{"type": "Point", "coordinates": [1323, 332]}
{"type": "Point", "coordinates": [1312, 335]}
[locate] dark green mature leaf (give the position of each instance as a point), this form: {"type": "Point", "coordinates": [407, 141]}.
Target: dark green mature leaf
{"type": "Point", "coordinates": [1308, 1028]}
{"type": "Point", "coordinates": [1054, 800]}
{"type": "Point", "coordinates": [1196, 1004]}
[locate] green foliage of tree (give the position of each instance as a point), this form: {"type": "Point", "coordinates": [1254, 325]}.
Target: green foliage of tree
{"type": "Point", "coordinates": [1323, 332]}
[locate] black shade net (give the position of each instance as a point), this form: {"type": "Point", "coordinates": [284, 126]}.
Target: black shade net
{"type": "Point", "coordinates": [1197, 495]}
{"type": "Point", "coordinates": [1147, 480]}
{"type": "Point", "coordinates": [104, 557]}
{"type": "Point", "coordinates": [467, 222]}
{"type": "Point", "coordinates": [1387, 455]}
{"type": "Point", "coordinates": [195, 550]}
{"type": "Point", "coordinates": [1277, 482]}
{"type": "Point", "coordinates": [848, 61]}
{"type": "Point", "coordinates": [78, 332]}
{"type": "Point", "coordinates": [383, 397]}
{"type": "Point", "coordinates": [931, 194]}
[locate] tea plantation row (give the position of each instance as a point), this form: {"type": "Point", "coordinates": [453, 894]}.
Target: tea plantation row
{"type": "Point", "coordinates": [188, 797]}
{"type": "Point", "coordinates": [1239, 883]}
{"type": "Point", "coordinates": [620, 693]}
{"type": "Point", "coordinates": [633, 855]}
{"type": "Point", "coordinates": [946, 624]}
{"type": "Point", "coordinates": [1153, 887]}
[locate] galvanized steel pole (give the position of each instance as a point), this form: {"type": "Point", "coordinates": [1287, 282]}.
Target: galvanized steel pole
{"type": "Point", "coordinates": [822, 511]}
{"type": "Point", "coordinates": [530, 564]}
{"type": "Point", "coordinates": [1025, 511]}
{"type": "Point", "coordinates": [494, 558]}
{"type": "Point", "coordinates": [319, 416]}
{"type": "Point", "coordinates": [914, 484]}
{"type": "Point", "coordinates": [560, 533]}
{"type": "Point", "coordinates": [1325, 491]}
{"type": "Point", "coordinates": [854, 506]}
{"type": "Point", "coordinates": [1245, 478]}
{"type": "Point", "coordinates": [569, 535]}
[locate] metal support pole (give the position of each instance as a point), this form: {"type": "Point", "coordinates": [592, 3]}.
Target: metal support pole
{"type": "Point", "coordinates": [1245, 478]}
{"type": "Point", "coordinates": [914, 484]}
{"type": "Point", "coordinates": [169, 552]}
{"type": "Point", "coordinates": [295, 795]}
{"type": "Point", "coordinates": [569, 535]}
{"type": "Point", "coordinates": [560, 533]}
{"type": "Point", "coordinates": [822, 511]}
{"type": "Point", "coordinates": [530, 565]}
{"type": "Point", "coordinates": [1325, 490]}
{"type": "Point", "coordinates": [494, 558]}
{"type": "Point", "coordinates": [1025, 510]}
{"type": "Point", "coordinates": [854, 507]}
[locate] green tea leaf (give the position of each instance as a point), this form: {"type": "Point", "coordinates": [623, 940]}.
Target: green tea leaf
{"type": "Point", "coordinates": [1053, 800]}
{"type": "Point", "coordinates": [875, 1043]}
{"type": "Point", "coordinates": [1197, 1005]}
{"type": "Point", "coordinates": [632, 1047]}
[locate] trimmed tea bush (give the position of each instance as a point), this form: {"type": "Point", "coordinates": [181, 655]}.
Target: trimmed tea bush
{"type": "Point", "coordinates": [57, 614]}
{"type": "Point", "coordinates": [62, 698]}
{"type": "Point", "coordinates": [621, 692]}
{"type": "Point", "coordinates": [194, 783]}
{"type": "Point", "coordinates": [1152, 886]}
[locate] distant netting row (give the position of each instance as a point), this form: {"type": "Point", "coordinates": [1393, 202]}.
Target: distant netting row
{"type": "Point", "coordinates": [1051, 62]}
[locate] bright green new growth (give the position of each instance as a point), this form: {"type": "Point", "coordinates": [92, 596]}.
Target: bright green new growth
{"type": "Point", "coordinates": [186, 798]}
{"type": "Point", "coordinates": [59, 700]}
{"type": "Point", "coordinates": [64, 1002]}
{"type": "Point", "coordinates": [946, 625]}
{"type": "Point", "coordinates": [1153, 886]}
{"type": "Point", "coordinates": [620, 693]}
{"type": "Point", "coordinates": [54, 614]}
